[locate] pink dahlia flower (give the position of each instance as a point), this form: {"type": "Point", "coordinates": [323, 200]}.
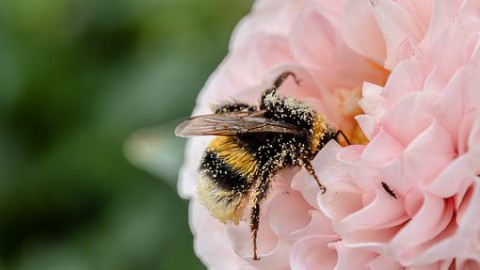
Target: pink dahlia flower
{"type": "Point", "coordinates": [402, 80]}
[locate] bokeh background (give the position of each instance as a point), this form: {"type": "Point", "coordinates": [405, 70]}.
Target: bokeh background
{"type": "Point", "coordinates": [90, 92]}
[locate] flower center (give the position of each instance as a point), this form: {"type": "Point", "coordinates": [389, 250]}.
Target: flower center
{"type": "Point", "coordinates": [347, 102]}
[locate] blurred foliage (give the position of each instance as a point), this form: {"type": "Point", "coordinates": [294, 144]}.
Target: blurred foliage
{"type": "Point", "coordinates": [77, 77]}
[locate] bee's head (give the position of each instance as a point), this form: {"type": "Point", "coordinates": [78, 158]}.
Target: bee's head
{"type": "Point", "coordinates": [270, 99]}
{"type": "Point", "coordinates": [288, 110]}
{"type": "Point", "coordinates": [315, 129]}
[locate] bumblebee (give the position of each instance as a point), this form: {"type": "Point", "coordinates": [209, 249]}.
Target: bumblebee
{"type": "Point", "coordinates": [251, 146]}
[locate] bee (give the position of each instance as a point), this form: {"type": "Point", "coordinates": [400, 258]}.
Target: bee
{"type": "Point", "coordinates": [251, 145]}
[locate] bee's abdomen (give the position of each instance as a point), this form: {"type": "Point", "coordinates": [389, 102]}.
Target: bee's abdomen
{"type": "Point", "coordinates": [227, 172]}
{"type": "Point", "coordinates": [222, 174]}
{"type": "Point", "coordinates": [229, 157]}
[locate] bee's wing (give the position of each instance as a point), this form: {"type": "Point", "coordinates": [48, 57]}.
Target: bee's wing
{"type": "Point", "coordinates": [231, 124]}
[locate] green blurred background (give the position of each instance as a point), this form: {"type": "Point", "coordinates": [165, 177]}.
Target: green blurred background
{"type": "Point", "coordinates": [78, 78]}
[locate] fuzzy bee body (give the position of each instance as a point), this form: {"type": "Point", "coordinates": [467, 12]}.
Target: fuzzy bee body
{"type": "Point", "coordinates": [227, 174]}
{"type": "Point", "coordinates": [251, 145]}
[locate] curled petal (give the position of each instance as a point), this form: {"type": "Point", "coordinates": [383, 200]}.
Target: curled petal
{"type": "Point", "coordinates": [208, 245]}
{"type": "Point", "coordinates": [310, 43]}
{"type": "Point", "coordinates": [397, 25]}
{"type": "Point", "coordinates": [383, 212]}
{"type": "Point", "coordinates": [461, 244]}
{"type": "Point", "coordinates": [428, 154]}
{"type": "Point", "coordinates": [312, 252]}
{"type": "Point", "coordinates": [381, 263]}
{"type": "Point", "coordinates": [461, 171]}
{"type": "Point", "coordinates": [288, 212]}
{"type": "Point", "coordinates": [357, 17]}
{"type": "Point", "coordinates": [412, 109]}
{"type": "Point", "coordinates": [404, 79]}
{"type": "Point", "coordinates": [351, 258]}
{"type": "Point", "coordinates": [433, 216]}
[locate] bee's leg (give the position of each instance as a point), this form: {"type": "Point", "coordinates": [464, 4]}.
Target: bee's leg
{"type": "Point", "coordinates": [308, 166]}
{"type": "Point", "coordinates": [262, 186]}
{"type": "Point", "coordinates": [254, 224]}
{"type": "Point", "coordinates": [339, 132]}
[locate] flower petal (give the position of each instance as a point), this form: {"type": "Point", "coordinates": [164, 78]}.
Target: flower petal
{"type": "Point", "coordinates": [351, 258]}
{"type": "Point", "coordinates": [288, 212]}
{"type": "Point", "coordinates": [314, 37]}
{"type": "Point", "coordinates": [433, 216]}
{"type": "Point", "coordinates": [397, 25]}
{"type": "Point", "coordinates": [383, 212]}
{"type": "Point", "coordinates": [356, 18]}
{"type": "Point", "coordinates": [312, 252]}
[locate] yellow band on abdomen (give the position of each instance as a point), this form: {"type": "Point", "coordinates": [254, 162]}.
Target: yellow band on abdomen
{"type": "Point", "coordinates": [232, 153]}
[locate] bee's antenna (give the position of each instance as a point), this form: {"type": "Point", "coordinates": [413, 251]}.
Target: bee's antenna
{"type": "Point", "coordinates": [339, 132]}
{"type": "Point", "coordinates": [282, 77]}
{"type": "Point", "coordinates": [278, 82]}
